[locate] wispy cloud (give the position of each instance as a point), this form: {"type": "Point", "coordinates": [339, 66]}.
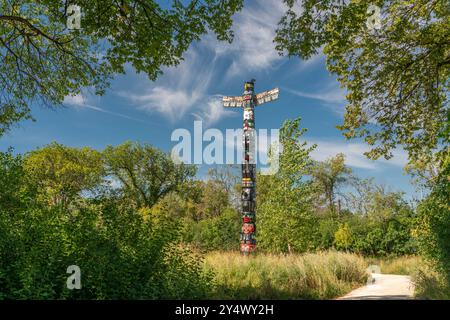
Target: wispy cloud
{"type": "Point", "coordinates": [212, 111]}
{"type": "Point", "coordinates": [182, 90]}
{"type": "Point", "coordinates": [80, 101]}
{"type": "Point", "coordinates": [168, 101]}
{"type": "Point", "coordinates": [331, 94]}
{"type": "Point", "coordinates": [189, 88]}
{"type": "Point", "coordinates": [311, 62]}
{"type": "Point", "coordinates": [254, 30]}
{"type": "Point", "coordinates": [354, 152]}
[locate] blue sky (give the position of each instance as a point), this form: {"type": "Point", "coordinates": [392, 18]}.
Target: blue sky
{"type": "Point", "coordinates": [137, 109]}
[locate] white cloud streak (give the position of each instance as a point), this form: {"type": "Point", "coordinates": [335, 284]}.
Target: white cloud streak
{"type": "Point", "coordinates": [331, 94]}
{"type": "Point", "coordinates": [354, 152]}
{"type": "Point", "coordinates": [181, 90]}
{"type": "Point", "coordinates": [185, 89]}
{"type": "Point", "coordinates": [252, 47]}
{"type": "Point", "coordinates": [80, 101]}
{"type": "Point", "coordinates": [212, 111]}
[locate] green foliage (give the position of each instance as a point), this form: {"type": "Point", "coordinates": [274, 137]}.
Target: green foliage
{"type": "Point", "coordinates": [433, 224]}
{"type": "Point", "coordinates": [59, 173]}
{"type": "Point", "coordinates": [343, 237]}
{"type": "Point", "coordinates": [397, 76]}
{"type": "Point", "coordinates": [146, 173]}
{"type": "Point", "coordinates": [285, 220]}
{"type": "Point", "coordinates": [328, 176]}
{"type": "Point", "coordinates": [431, 284]}
{"type": "Point", "coordinates": [327, 230]}
{"type": "Point", "coordinates": [43, 62]}
{"type": "Point", "coordinates": [216, 233]}
{"type": "Point", "coordinates": [214, 199]}
{"type": "Point", "coordinates": [130, 240]}
{"type": "Point", "coordinates": [122, 252]}
{"type": "Point", "coordinates": [121, 256]}
{"type": "Point", "coordinates": [11, 180]}
{"type": "Point", "coordinates": [381, 222]}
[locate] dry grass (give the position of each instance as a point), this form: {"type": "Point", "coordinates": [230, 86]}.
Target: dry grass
{"type": "Point", "coordinates": [405, 265]}
{"type": "Point", "coordinates": [322, 275]}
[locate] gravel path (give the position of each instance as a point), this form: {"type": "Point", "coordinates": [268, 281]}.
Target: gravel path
{"type": "Point", "coordinates": [384, 287]}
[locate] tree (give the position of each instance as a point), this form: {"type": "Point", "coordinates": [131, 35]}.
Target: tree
{"type": "Point", "coordinates": [432, 227]}
{"type": "Point", "coordinates": [146, 173]}
{"type": "Point", "coordinates": [343, 237]}
{"type": "Point", "coordinates": [61, 173]}
{"type": "Point", "coordinates": [329, 175]}
{"type": "Point", "coordinates": [397, 77]}
{"type": "Point", "coordinates": [43, 61]}
{"type": "Point", "coordinates": [229, 177]}
{"type": "Point", "coordinates": [214, 200]}
{"type": "Point", "coordinates": [382, 220]}
{"type": "Point", "coordinates": [369, 197]}
{"type": "Point", "coordinates": [12, 179]}
{"type": "Point", "coordinates": [285, 221]}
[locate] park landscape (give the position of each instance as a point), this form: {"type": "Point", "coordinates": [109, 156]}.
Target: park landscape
{"type": "Point", "coordinates": [140, 225]}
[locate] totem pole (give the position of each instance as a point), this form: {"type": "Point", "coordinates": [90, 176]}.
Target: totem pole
{"type": "Point", "coordinates": [248, 101]}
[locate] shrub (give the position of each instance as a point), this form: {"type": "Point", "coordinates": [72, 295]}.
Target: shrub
{"type": "Point", "coordinates": [216, 233]}
{"type": "Point", "coordinates": [122, 253]}
{"type": "Point", "coordinates": [433, 227]}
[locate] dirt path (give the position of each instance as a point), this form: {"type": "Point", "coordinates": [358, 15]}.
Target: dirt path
{"type": "Point", "coordinates": [384, 287]}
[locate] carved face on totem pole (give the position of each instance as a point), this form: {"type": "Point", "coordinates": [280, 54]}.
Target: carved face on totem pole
{"type": "Point", "coordinates": [248, 227]}
{"type": "Point", "coordinates": [247, 171]}
{"type": "Point", "coordinates": [247, 182]}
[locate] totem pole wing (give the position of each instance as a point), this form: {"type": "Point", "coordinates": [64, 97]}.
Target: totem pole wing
{"type": "Point", "coordinates": [232, 102]}
{"type": "Point", "coordinates": [267, 96]}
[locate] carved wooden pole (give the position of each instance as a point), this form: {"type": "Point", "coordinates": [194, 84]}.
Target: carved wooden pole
{"type": "Point", "coordinates": [248, 101]}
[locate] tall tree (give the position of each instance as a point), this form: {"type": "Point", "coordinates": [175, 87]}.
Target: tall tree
{"type": "Point", "coordinates": [228, 176]}
{"type": "Point", "coordinates": [145, 173]}
{"type": "Point", "coordinates": [397, 76]}
{"type": "Point", "coordinates": [329, 175]}
{"type": "Point", "coordinates": [60, 173]}
{"type": "Point", "coordinates": [42, 61]}
{"type": "Point", "coordinates": [285, 222]}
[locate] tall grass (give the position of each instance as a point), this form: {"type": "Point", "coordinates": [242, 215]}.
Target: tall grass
{"type": "Point", "coordinates": [266, 276]}
{"type": "Point", "coordinates": [430, 284]}
{"type": "Point", "coordinates": [404, 265]}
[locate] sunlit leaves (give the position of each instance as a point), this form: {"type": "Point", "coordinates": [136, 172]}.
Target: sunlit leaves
{"type": "Point", "coordinates": [42, 62]}
{"type": "Point", "coordinates": [397, 78]}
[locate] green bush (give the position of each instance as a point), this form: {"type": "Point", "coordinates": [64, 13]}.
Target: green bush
{"type": "Point", "coordinates": [215, 233]}
{"type": "Point", "coordinates": [433, 226]}
{"type": "Point", "coordinates": [122, 253]}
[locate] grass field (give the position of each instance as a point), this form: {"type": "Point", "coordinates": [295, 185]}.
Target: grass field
{"type": "Point", "coordinates": [323, 275]}
{"type": "Point", "coordinates": [405, 265]}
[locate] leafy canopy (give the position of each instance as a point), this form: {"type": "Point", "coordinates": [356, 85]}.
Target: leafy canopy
{"type": "Point", "coordinates": [146, 174]}
{"type": "Point", "coordinates": [397, 77]}
{"type": "Point", "coordinates": [42, 61]}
